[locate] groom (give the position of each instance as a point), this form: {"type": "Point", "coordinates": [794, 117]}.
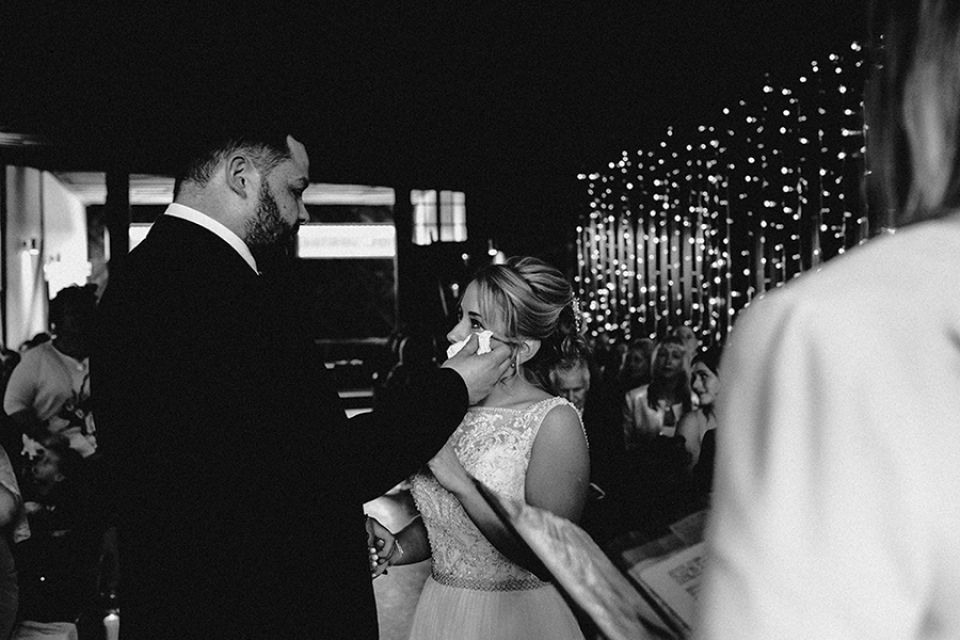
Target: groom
{"type": "Point", "coordinates": [235, 476]}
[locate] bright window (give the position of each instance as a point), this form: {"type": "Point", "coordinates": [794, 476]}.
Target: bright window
{"type": "Point", "coordinates": [444, 223]}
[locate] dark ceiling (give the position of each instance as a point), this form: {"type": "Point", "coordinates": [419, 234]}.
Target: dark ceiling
{"type": "Point", "coordinates": [507, 101]}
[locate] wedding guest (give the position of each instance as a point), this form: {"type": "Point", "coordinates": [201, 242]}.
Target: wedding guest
{"type": "Point", "coordinates": [49, 390]}
{"type": "Point", "coordinates": [10, 437]}
{"type": "Point", "coordinates": [653, 409]}
{"type": "Point", "coordinates": [57, 566]}
{"type": "Point", "coordinates": [572, 379]}
{"type": "Point", "coordinates": [238, 480]}
{"type": "Point", "coordinates": [698, 428]}
{"type": "Point", "coordinates": [635, 369]}
{"type": "Point", "coordinates": [690, 339]}
{"type": "Point", "coordinates": [838, 491]}
{"type": "Point", "coordinates": [608, 354]}
{"type": "Point", "coordinates": [705, 382]}
{"type": "Point", "coordinates": [523, 443]}
{"type": "Point", "coordinates": [577, 379]}
{"type": "Point", "coordinates": [13, 529]}
{"type": "Point", "coordinates": [657, 462]}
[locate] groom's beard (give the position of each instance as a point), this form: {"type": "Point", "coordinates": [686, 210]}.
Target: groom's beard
{"type": "Point", "coordinates": [270, 237]}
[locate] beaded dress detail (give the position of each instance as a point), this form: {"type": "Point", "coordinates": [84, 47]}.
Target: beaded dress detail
{"type": "Point", "coordinates": [494, 446]}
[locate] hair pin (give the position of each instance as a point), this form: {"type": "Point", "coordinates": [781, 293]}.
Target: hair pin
{"type": "Point", "coordinates": [577, 314]}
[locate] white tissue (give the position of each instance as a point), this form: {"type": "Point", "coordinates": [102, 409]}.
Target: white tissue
{"type": "Point", "coordinates": [483, 347]}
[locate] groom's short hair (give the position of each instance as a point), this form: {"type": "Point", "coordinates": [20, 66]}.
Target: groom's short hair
{"type": "Point", "coordinates": [267, 147]}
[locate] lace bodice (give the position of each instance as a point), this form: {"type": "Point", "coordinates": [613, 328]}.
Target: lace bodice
{"type": "Point", "coordinates": [494, 446]}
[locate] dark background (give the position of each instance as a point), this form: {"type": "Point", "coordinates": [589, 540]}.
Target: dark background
{"type": "Point", "coordinates": [506, 101]}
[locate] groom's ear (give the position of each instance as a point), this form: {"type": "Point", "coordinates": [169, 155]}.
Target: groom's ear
{"type": "Point", "coordinates": [237, 174]}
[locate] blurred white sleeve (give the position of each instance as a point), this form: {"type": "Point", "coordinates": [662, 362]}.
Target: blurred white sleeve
{"type": "Point", "coordinates": [814, 530]}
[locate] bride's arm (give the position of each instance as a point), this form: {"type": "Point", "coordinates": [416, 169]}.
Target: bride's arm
{"type": "Point", "coordinates": [557, 480]}
{"type": "Point", "coordinates": [414, 546]}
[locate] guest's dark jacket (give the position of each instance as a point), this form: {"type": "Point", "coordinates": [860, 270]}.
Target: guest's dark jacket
{"type": "Point", "coordinates": [237, 478]}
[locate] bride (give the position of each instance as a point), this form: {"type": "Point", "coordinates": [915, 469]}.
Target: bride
{"type": "Point", "coordinates": [523, 443]}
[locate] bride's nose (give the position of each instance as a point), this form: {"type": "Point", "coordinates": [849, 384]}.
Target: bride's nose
{"type": "Point", "coordinates": [458, 333]}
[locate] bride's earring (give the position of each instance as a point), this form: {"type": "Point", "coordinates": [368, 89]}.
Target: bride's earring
{"type": "Point", "coordinates": [512, 372]}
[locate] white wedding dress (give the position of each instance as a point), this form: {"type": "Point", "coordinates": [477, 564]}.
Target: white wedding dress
{"type": "Point", "coordinates": [474, 592]}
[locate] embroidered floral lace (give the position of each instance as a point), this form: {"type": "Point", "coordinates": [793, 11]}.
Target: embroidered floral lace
{"type": "Point", "coordinates": [494, 446]}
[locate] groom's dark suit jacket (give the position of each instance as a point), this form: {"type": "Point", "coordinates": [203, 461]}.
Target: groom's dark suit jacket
{"type": "Point", "coordinates": [237, 479]}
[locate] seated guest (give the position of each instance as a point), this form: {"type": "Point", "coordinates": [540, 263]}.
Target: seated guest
{"type": "Point", "coordinates": [607, 356]}
{"type": "Point", "coordinates": [690, 339]}
{"type": "Point", "coordinates": [579, 381]}
{"type": "Point", "coordinates": [705, 383]}
{"type": "Point", "coordinates": [57, 564]}
{"type": "Point", "coordinates": [654, 409]}
{"type": "Point", "coordinates": [658, 482]}
{"type": "Point", "coordinates": [698, 427]}
{"type": "Point", "coordinates": [10, 437]}
{"type": "Point", "coordinates": [13, 529]}
{"type": "Point", "coordinates": [634, 370]}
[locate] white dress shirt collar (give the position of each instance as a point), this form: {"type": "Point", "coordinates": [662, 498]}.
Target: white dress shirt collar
{"type": "Point", "coordinates": [197, 217]}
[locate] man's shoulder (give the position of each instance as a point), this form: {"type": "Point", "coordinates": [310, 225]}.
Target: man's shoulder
{"type": "Point", "coordinates": [175, 258]}
{"type": "Point", "coordinates": [148, 260]}
{"type": "Point", "coordinates": [174, 240]}
{"type": "Point", "coordinates": [130, 286]}
{"type": "Point", "coordinates": [35, 356]}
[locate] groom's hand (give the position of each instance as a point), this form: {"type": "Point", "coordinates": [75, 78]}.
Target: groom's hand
{"type": "Point", "coordinates": [380, 544]}
{"type": "Point", "coordinates": [480, 372]}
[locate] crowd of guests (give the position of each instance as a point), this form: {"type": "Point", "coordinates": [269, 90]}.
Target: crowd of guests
{"type": "Point", "coordinates": [647, 405]}
{"type": "Point", "coordinates": [57, 555]}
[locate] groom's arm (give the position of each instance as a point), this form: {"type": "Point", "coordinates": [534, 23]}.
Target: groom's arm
{"type": "Point", "coordinates": [410, 424]}
{"type": "Point", "coordinates": [406, 428]}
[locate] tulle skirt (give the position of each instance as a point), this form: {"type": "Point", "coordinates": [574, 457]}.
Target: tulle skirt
{"type": "Point", "coordinates": [453, 613]}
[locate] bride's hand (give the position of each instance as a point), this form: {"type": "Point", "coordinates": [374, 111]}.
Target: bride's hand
{"type": "Point", "coordinates": [449, 472]}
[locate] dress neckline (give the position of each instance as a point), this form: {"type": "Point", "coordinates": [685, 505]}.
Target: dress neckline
{"type": "Point", "coordinates": [514, 409]}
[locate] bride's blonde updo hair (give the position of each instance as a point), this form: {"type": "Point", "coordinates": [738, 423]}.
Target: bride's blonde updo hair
{"type": "Point", "coordinates": [533, 300]}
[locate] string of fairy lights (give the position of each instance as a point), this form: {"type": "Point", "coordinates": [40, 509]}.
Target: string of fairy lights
{"type": "Point", "coordinates": [691, 231]}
